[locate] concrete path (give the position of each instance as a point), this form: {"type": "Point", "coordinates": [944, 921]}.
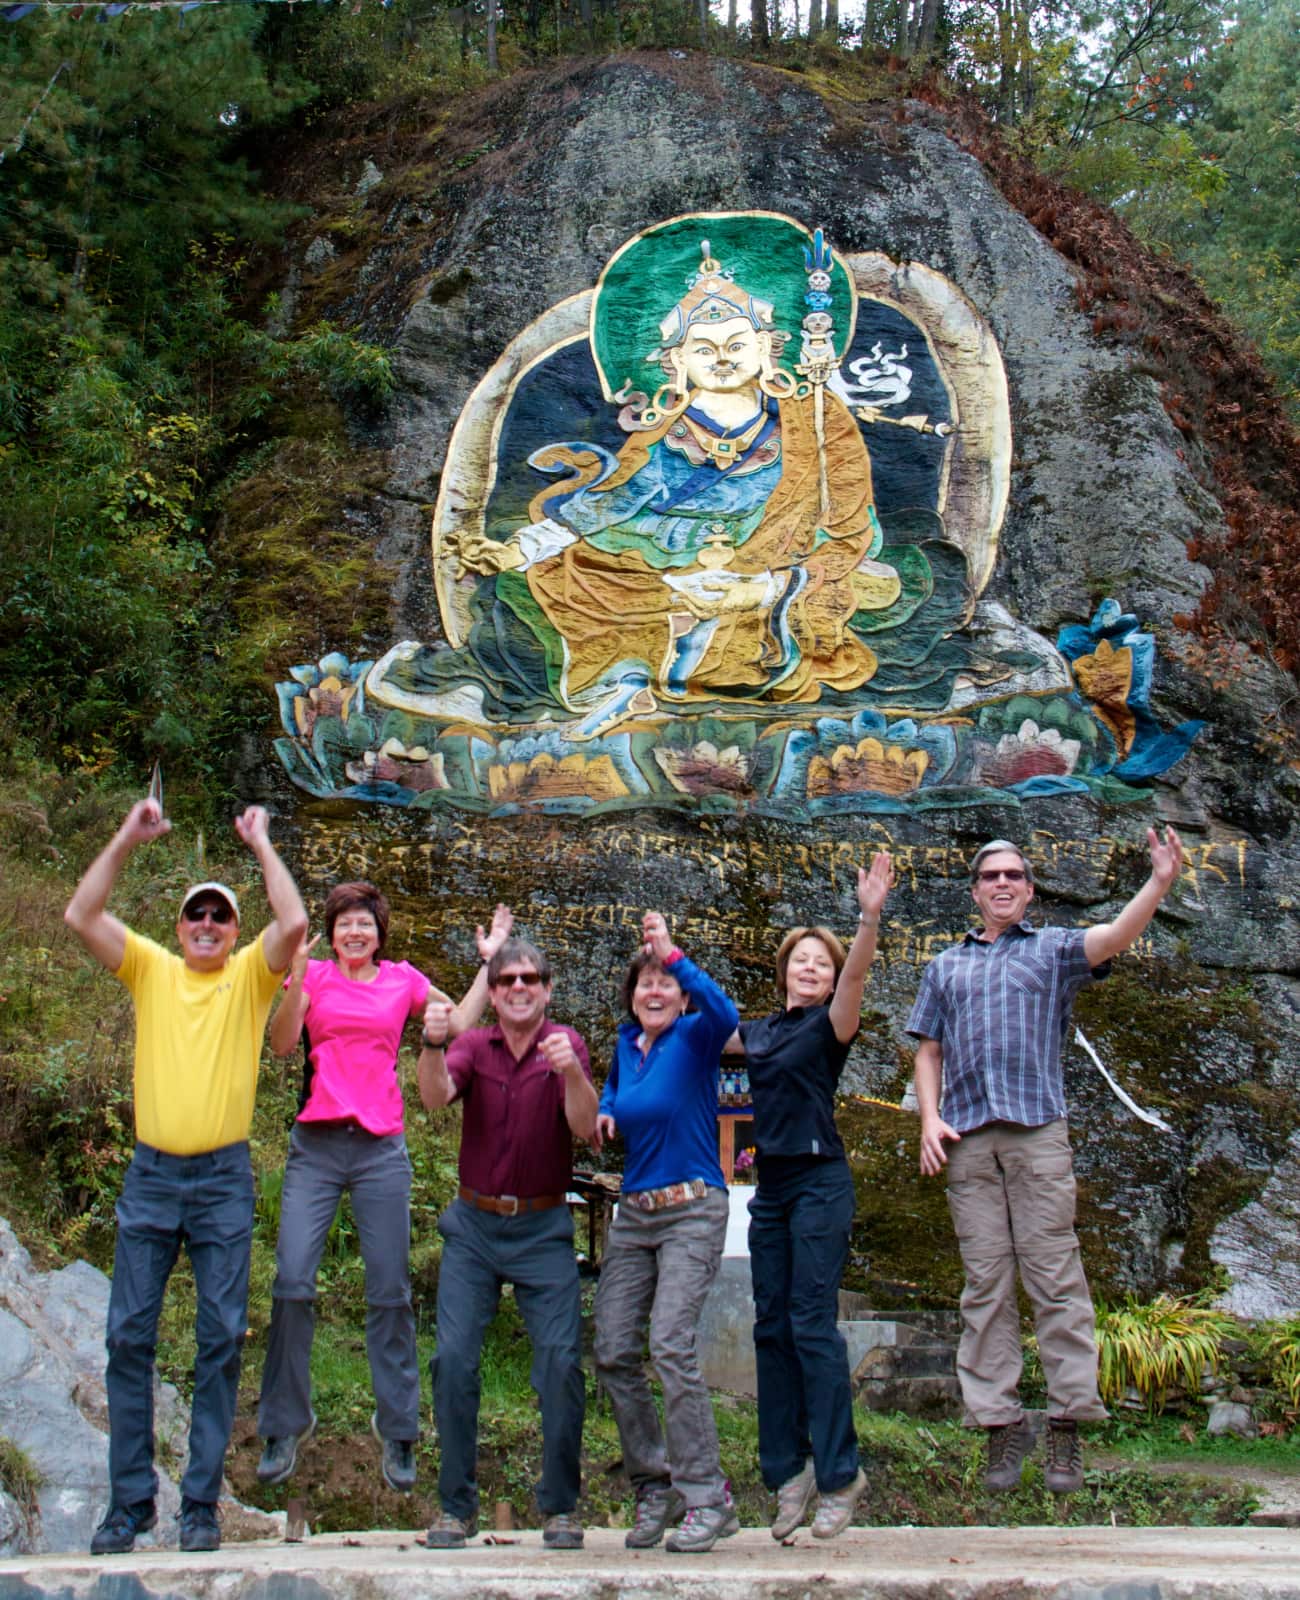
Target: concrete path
{"type": "Point", "coordinates": [889, 1563]}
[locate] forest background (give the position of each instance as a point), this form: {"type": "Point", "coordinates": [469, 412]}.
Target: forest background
{"type": "Point", "coordinates": [144, 372]}
{"type": "Point", "coordinates": [148, 374]}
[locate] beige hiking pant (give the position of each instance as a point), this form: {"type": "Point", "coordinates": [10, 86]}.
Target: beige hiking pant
{"type": "Point", "coordinates": [1011, 1192]}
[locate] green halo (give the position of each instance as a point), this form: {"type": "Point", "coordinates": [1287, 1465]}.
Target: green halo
{"type": "Point", "coordinates": [648, 275]}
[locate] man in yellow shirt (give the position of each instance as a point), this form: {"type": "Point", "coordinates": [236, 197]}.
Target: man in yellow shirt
{"type": "Point", "coordinates": [199, 1017]}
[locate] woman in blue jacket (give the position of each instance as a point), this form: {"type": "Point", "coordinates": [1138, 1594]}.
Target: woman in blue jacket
{"type": "Point", "coordinates": [665, 1243]}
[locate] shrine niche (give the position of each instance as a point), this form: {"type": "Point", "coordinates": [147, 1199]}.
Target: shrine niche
{"type": "Point", "coordinates": [715, 535]}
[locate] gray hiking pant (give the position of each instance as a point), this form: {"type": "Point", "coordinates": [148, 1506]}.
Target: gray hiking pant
{"type": "Point", "coordinates": [325, 1160]}
{"type": "Point", "coordinates": [657, 1271]}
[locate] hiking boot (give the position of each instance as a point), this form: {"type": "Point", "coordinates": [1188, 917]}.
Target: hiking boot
{"type": "Point", "coordinates": [199, 1527]}
{"type": "Point", "coordinates": [280, 1456]}
{"type": "Point", "coordinates": [1064, 1471]}
{"type": "Point", "coordinates": [116, 1534]}
{"type": "Point", "coordinates": [703, 1526]}
{"type": "Point", "coordinates": [562, 1532]}
{"type": "Point", "coordinates": [396, 1461]}
{"type": "Point", "coordinates": [835, 1510]}
{"type": "Point", "coordinates": [1008, 1447]}
{"type": "Point", "coordinates": [447, 1532]}
{"type": "Point", "coordinates": [657, 1508]}
{"type": "Point", "coordinates": [792, 1501]}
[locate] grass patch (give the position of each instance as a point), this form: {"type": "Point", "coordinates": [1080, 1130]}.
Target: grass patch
{"type": "Point", "coordinates": [1166, 1439]}
{"type": "Point", "coordinates": [19, 1476]}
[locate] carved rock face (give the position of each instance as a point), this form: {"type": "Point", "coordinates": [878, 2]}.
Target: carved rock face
{"type": "Point", "coordinates": [1100, 498]}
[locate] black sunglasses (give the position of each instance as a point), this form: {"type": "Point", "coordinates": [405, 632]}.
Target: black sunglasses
{"type": "Point", "coordinates": [220, 913]}
{"type": "Point", "coordinates": [508, 980]}
{"type": "Point", "coordinates": [1011, 874]}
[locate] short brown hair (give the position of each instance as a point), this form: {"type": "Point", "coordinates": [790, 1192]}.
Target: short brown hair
{"type": "Point", "coordinates": [833, 947]}
{"type": "Point", "coordinates": [357, 896]}
{"type": "Point", "coordinates": [635, 968]}
{"type": "Point", "coordinates": [518, 950]}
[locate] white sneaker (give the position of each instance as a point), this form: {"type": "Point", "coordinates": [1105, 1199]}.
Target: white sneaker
{"type": "Point", "coordinates": [792, 1501]}
{"type": "Point", "coordinates": [835, 1511]}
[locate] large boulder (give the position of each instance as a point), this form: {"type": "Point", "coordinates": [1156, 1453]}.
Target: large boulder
{"type": "Point", "coordinates": [54, 1408]}
{"type": "Point", "coordinates": [486, 221]}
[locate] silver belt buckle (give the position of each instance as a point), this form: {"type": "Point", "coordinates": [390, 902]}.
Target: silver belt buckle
{"type": "Point", "coordinates": [514, 1203]}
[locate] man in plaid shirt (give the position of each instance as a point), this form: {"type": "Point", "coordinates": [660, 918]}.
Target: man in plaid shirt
{"type": "Point", "coordinates": [991, 1016]}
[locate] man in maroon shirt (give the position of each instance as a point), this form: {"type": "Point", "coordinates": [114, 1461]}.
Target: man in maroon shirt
{"type": "Point", "coordinates": [526, 1087]}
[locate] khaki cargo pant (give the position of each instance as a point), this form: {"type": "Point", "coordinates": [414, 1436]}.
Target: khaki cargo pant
{"type": "Point", "coordinates": [1011, 1192]}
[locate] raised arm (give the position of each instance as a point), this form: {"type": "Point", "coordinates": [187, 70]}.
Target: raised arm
{"type": "Point", "coordinates": [437, 1086]}
{"type": "Point", "coordinates": [288, 927]}
{"type": "Point", "coordinates": [291, 1013]}
{"type": "Point", "coordinates": [846, 1003]}
{"type": "Point", "coordinates": [472, 1002]}
{"type": "Point", "coordinates": [711, 1001]}
{"type": "Point", "coordinates": [1107, 939]}
{"type": "Point", "coordinates": [935, 1132]}
{"type": "Point", "coordinates": [86, 914]}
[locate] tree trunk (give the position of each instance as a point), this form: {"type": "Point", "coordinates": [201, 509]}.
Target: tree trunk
{"type": "Point", "coordinates": [731, 18]}
{"type": "Point", "coordinates": [492, 35]}
{"type": "Point", "coordinates": [814, 18]}
{"type": "Point", "coordinates": [1006, 65]}
{"type": "Point", "coordinates": [929, 30]}
{"type": "Point", "coordinates": [900, 30]}
{"type": "Point", "coordinates": [833, 18]}
{"type": "Point", "coordinates": [759, 36]}
{"type": "Point", "coordinates": [588, 20]}
{"type": "Point", "coordinates": [704, 23]}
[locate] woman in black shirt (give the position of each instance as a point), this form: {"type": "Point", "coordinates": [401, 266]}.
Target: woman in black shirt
{"type": "Point", "coordinates": [801, 1216]}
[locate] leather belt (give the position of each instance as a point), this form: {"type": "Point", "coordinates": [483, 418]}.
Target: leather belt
{"type": "Point", "coordinates": [673, 1194]}
{"type": "Point", "coordinates": [509, 1205]}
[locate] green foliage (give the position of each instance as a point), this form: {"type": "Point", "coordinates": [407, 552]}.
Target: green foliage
{"type": "Point", "coordinates": [1280, 1347]}
{"type": "Point", "coordinates": [1157, 1346]}
{"type": "Point", "coordinates": [1191, 129]}
{"type": "Point", "coordinates": [1169, 1441]}
{"type": "Point", "coordinates": [19, 1476]}
{"type": "Point", "coordinates": [129, 372]}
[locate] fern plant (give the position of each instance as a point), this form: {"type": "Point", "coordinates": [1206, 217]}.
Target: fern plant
{"type": "Point", "coordinates": [1281, 1350]}
{"type": "Point", "coordinates": [1157, 1346]}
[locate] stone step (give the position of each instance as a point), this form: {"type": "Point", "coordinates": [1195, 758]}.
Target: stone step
{"type": "Point", "coordinates": [977, 1563]}
{"type": "Point", "coordinates": [917, 1397]}
{"type": "Point", "coordinates": [863, 1336]}
{"type": "Point", "coordinates": [905, 1361]}
{"type": "Point", "coordinates": [940, 1322]}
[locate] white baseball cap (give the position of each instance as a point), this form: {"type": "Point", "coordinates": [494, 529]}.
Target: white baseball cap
{"type": "Point", "coordinates": [211, 887]}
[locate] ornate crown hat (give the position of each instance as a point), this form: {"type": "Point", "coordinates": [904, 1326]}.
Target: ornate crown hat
{"type": "Point", "coordinates": [713, 296]}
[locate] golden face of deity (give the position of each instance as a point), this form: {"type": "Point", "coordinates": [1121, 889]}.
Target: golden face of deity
{"type": "Point", "coordinates": [721, 357]}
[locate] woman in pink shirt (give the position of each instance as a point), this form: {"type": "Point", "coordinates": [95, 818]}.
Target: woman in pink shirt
{"type": "Point", "coordinates": [349, 1137]}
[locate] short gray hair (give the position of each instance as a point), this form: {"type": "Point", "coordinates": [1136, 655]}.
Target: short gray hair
{"type": "Point", "coordinates": [995, 847]}
{"type": "Point", "coordinates": [518, 950]}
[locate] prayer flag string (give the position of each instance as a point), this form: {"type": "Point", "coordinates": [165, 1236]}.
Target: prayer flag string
{"type": "Point", "coordinates": [16, 144]}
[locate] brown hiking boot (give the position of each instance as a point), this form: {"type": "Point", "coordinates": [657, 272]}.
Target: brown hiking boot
{"type": "Point", "coordinates": [563, 1531]}
{"type": "Point", "coordinates": [1008, 1447]}
{"type": "Point", "coordinates": [1064, 1471]}
{"type": "Point", "coordinates": [448, 1532]}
